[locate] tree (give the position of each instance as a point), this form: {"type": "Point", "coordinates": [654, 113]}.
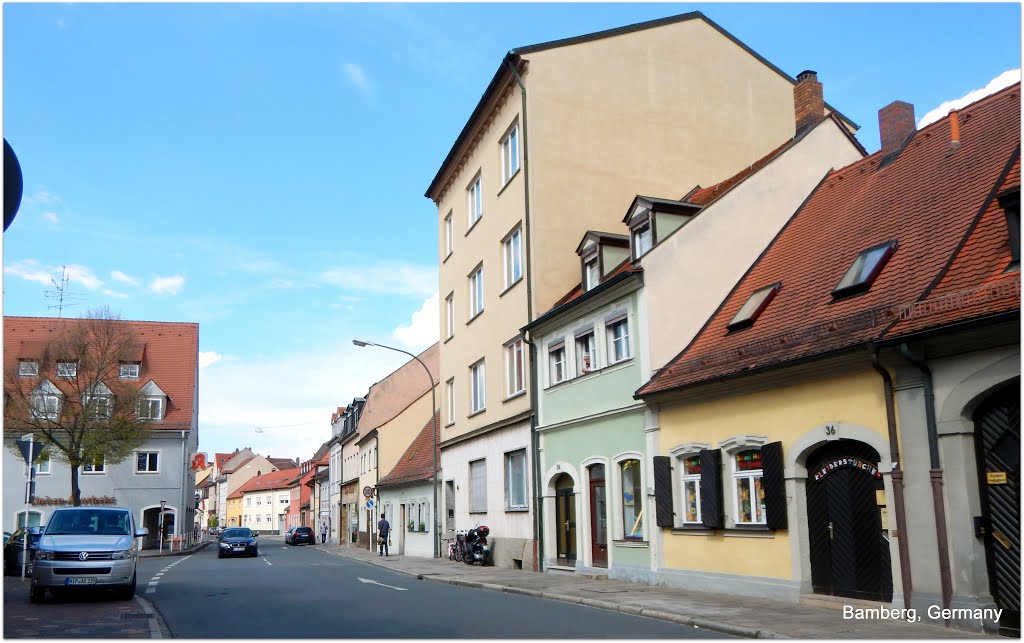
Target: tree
{"type": "Point", "coordinates": [77, 405]}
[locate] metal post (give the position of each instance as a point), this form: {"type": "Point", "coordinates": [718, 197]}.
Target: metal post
{"type": "Point", "coordinates": [28, 502]}
{"type": "Point", "coordinates": [160, 529]}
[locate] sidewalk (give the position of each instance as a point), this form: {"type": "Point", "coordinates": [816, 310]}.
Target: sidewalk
{"type": "Point", "coordinates": [151, 553]}
{"type": "Point", "coordinates": [745, 617]}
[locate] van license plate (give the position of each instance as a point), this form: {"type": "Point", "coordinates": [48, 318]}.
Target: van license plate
{"type": "Point", "coordinates": [80, 581]}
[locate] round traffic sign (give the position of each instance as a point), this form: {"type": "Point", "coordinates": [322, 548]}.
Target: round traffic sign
{"type": "Point", "coordinates": [368, 492]}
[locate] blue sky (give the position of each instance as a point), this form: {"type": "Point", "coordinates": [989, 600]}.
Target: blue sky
{"type": "Point", "coordinates": [260, 168]}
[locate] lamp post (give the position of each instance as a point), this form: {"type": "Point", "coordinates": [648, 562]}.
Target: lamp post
{"type": "Point", "coordinates": [160, 529]}
{"type": "Point", "coordinates": [433, 419]}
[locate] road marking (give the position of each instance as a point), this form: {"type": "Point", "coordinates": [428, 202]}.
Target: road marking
{"type": "Point", "coordinates": [373, 582]}
{"type": "Point", "coordinates": [150, 590]}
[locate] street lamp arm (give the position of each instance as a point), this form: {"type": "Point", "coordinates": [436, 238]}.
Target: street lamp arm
{"type": "Point", "coordinates": [398, 350]}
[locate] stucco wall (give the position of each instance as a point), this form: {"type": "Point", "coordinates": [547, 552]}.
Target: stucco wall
{"type": "Point", "coordinates": [398, 434]}
{"type": "Point", "coordinates": [403, 541]}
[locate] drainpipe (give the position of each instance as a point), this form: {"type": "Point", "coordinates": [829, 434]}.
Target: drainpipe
{"type": "Point", "coordinates": [538, 535]}
{"type": "Point", "coordinates": [936, 475]}
{"type": "Point", "coordinates": [897, 479]}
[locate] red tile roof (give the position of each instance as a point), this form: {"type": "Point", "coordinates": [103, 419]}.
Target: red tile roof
{"type": "Point", "coordinates": [268, 481]}
{"type": "Point", "coordinates": [577, 292]}
{"type": "Point", "coordinates": [171, 358]}
{"type": "Point", "coordinates": [416, 463]}
{"type": "Point", "coordinates": [928, 199]}
{"type": "Point", "coordinates": [283, 463]}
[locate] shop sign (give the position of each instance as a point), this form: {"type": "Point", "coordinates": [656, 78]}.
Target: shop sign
{"type": "Point", "coordinates": [846, 463]}
{"type": "Point", "coordinates": [86, 500]}
{"type": "Point", "coordinates": [996, 477]}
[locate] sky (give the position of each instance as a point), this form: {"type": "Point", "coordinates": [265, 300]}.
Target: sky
{"type": "Point", "coordinates": [260, 168]}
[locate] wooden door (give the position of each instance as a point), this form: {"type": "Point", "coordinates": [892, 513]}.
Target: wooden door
{"type": "Point", "coordinates": [598, 517]}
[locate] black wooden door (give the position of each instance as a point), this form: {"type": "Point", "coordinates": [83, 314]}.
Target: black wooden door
{"type": "Point", "coordinates": [565, 524]}
{"type": "Point", "coordinates": [849, 550]}
{"type": "Point", "coordinates": [997, 430]}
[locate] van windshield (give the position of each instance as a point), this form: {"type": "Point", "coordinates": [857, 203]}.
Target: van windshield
{"type": "Point", "coordinates": [89, 521]}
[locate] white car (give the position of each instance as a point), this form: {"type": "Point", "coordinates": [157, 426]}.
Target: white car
{"type": "Point", "coordinates": [92, 547]}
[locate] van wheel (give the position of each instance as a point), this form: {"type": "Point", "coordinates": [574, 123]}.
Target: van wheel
{"type": "Point", "coordinates": [36, 595]}
{"type": "Point", "coordinates": [127, 593]}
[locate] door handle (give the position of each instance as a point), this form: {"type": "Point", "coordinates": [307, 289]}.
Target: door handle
{"type": "Point", "coordinates": [831, 533]}
{"type": "Point", "coordinates": [567, 525]}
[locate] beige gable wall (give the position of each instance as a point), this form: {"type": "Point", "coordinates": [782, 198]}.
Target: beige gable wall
{"type": "Point", "coordinates": [257, 466]}
{"type": "Point", "coordinates": [394, 437]}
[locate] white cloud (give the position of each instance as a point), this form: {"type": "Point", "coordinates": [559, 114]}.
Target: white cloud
{"type": "Point", "coordinates": [51, 218]}
{"type": "Point", "coordinates": [207, 358]}
{"type": "Point", "coordinates": [39, 197]}
{"type": "Point", "coordinates": [29, 270]}
{"type": "Point", "coordinates": [424, 329]}
{"type": "Point", "coordinates": [114, 293]}
{"type": "Point", "coordinates": [167, 285]}
{"type": "Point", "coordinates": [357, 76]}
{"type": "Point", "coordinates": [386, 278]}
{"type": "Point", "coordinates": [117, 275]}
{"type": "Point", "coordinates": [1004, 79]}
{"type": "Point", "coordinates": [83, 275]}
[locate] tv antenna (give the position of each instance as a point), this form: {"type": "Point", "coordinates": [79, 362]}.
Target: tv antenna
{"type": "Point", "coordinates": [61, 294]}
{"type": "Point", "coordinates": [259, 429]}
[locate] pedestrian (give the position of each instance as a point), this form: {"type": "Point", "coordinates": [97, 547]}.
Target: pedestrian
{"type": "Point", "coordinates": [383, 534]}
{"type": "Point", "coordinates": [323, 533]}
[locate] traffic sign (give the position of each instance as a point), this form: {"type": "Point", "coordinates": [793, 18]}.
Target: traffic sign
{"type": "Point", "coordinates": [369, 504]}
{"type": "Point", "coordinates": [368, 492]}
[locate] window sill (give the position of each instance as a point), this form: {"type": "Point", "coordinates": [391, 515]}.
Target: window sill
{"type": "Point", "coordinates": [636, 544]}
{"type": "Point", "coordinates": [514, 396]}
{"type": "Point", "coordinates": [471, 319]}
{"type": "Point", "coordinates": [752, 531]}
{"type": "Point", "coordinates": [470, 229]}
{"type": "Point", "coordinates": [475, 413]}
{"type": "Point", "coordinates": [477, 511]}
{"type": "Point", "coordinates": [509, 181]}
{"type": "Point", "coordinates": [516, 510]}
{"type": "Point", "coordinates": [510, 287]}
{"type": "Point", "coordinates": [146, 473]}
{"type": "Point", "coordinates": [692, 530]}
{"type": "Point", "coordinates": [449, 425]}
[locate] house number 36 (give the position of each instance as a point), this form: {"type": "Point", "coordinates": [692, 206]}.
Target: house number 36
{"type": "Point", "coordinates": [830, 429]}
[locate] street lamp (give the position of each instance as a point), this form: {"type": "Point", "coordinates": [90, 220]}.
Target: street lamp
{"type": "Point", "coordinates": [433, 419]}
{"type": "Point", "coordinates": [160, 529]}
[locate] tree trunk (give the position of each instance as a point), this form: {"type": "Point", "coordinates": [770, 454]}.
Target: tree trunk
{"type": "Point", "coordinates": [76, 493]}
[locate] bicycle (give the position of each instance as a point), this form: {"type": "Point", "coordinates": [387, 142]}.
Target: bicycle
{"type": "Point", "coordinates": [455, 547]}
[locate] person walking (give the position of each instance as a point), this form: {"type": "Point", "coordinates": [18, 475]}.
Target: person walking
{"type": "Point", "coordinates": [323, 532]}
{"type": "Point", "coordinates": [383, 534]}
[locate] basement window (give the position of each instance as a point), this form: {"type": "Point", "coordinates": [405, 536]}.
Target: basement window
{"type": "Point", "coordinates": [755, 305]}
{"type": "Point", "coordinates": [865, 269]}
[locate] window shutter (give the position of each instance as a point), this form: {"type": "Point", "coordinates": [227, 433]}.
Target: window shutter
{"type": "Point", "coordinates": [774, 482]}
{"type": "Point", "coordinates": [663, 491]}
{"type": "Point", "coordinates": [711, 489]}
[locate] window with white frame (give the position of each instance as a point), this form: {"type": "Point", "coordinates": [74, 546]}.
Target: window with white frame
{"type": "Point", "coordinates": [749, 494]}
{"type": "Point", "coordinates": [475, 197]}
{"type": "Point", "coordinates": [515, 480]}
{"type": "Point", "coordinates": [478, 486]}
{"type": "Point", "coordinates": [67, 369]}
{"type": "Point", "coordinates": [449, 314]}
{"type": "Point", "coordinates": [45, 406]}
{"type": "Point", "coordinates": [632, 500]}
{"type": "Point", "coordinates": [476, 292]}
{"type": "Point", "coordinates": [586, 352]}
{"type": "Point", "coordinates": [642, 240]}
{"type": "Point", "coordinates": [28, 368]}
{"type": "Point", "coordinates": [516, 371]}
{"type": "Point", "coordinates": [424, 524]}
{"type": "Point", "coordinates": [150, 408]}
{"type": "Point", "coordinates": [98, 465]}
{"type": "Point", "coordinates": [129, 371]}
{"type": "Point", "coordinates": [258, 519]}
{"type": "Point", "coordinates": [556, 363]}
{"type": "Point", "coordinates": [43, 464]}
{"type": "Point", "coordinates": [513, 248]}
{"type": "Point", "coordinates": [259, 502]}
{"type": "Point", "coordinates": [98, 406]}
{"type": "Point", "coordinates": [477, 388]}
{"type": "Point", "coordinates": [449, 235]}
{"type": "Point", "coordinates": [450, 391]}
{"type": "Point", "coordinates": [591, 274]}
{"type": "Point", "coordinates": [510, 154]}
{"type": "Point", "coordinates": [267, 516]}
{"type": "Point", "coordinates": [147, 462]}
{"type": "Point", "coordinates": [618, 340]}
{"type": "Point", "coordinates": [690, 470]}
{"type": "Point", "coordinates": [248, 501]}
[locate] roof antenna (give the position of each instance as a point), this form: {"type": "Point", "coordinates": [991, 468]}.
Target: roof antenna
{"type": "Point", "coordinates": [63, 297]}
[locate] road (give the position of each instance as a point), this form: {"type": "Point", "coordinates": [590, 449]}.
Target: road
{"type": "Point", "coordinates": [300, 592]}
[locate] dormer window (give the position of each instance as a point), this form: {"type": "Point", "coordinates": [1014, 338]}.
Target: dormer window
{"type": "Point", "coordinates": [129, 371]}
{"type": "Point", "coordinates": [865, 270]}
{"type": "Point", "coordinates": [755, 305]}
{"type": "Point", "coordinates": [591, 274]}
{"type": "Point", "coordinates": [46, 399]}
{"type": "Point", "coordinates": [28, 368]}
{"type": "Point", "coordinates": [98, 402]}
{"type": "Point", "coordinates": [67, 369]}
{"type": "Point", "coordinates": [153, 402]}
{"type": "Point", "coordinates": [643, 239]}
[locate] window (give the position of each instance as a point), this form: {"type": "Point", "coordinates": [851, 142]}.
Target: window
{"type": "Point", "coordinates": [865, 269]}
{"type": "Point", "coordinates": [1010, 202]}
{"type": "Point", "coordinates": [259, 502]}
{"type": "Point", "coordinates": [267, 516]}
{"type": "Point", "coordinates": [283, 501]}
{"type": "Point", "coordinates": [515, 480]}
{"type": "Point", "coordinates": [510, 154]}
{"type": "Point", "coordinates": [43, 464]}
{"type": "Point", "coordinates": [98, 406]}
{"type": "Point", "coordinates": [35, 519]}
{"type": "Point", "coordinates": [478, 399]}
{"type": "Point", "coordinates": [513, 257]}
{"type": "Point", "coordinates": [478, 486]}
{"type": "Point", "coordinates": [556, 363]}
{"type": "Point", "coordinates": [248, 502]}
{"type": "Point", "coordinates": [591, 275]}
{"type": "Point", "coordinates": [98, 465]}
{"type": "Point", "coordinates": [146, 462]}
{"type": "Point", "coordinates": [150, 408]}
{"type": "Point", "coordinates": [586, 352]}
{"type": "Point", "coordinates": [67, 369]}
{"type": "Point", "coordinates": [618, 340]}
{"type": "Point", "coordinates": [449, 235]}
{"type": "Point", "coordinates": [450, 385]}
{"type": "Point", "coordinates": [449, 314]}
{"type": "Point", "coordinates": [27, 368]}
{"type": "Point", "coordinates": [748, 314]}
{"type": "Point", "coordinates": [476, 292]}
{"type": "Point", "coordinates": [516, 380]}
{"type": "Point", "coordinates": [749, 492]}
{"type": "Point", "coordinates": [642, 240]}
{"type": "Point", "coordinates": [45, 406]}
{"type": "Point", "coordinates": [691, 489]}
{"type": "Point", "coordinates": [632, 500]}
{"type": "Point", "coordinates": [258, 519]}
{"type": "Point", "coordinates": [129, 370]}
{"type": "Point", "coordinates": [475, 199]}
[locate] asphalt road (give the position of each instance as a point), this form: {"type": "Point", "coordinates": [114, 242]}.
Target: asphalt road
{"type": "Point", "coordinates": [299, 592]}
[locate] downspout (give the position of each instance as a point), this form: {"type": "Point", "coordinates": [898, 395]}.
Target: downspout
{"type": "Point", "coordinates": [935, 473]}
{"type": "Point", "coordinates": [897, 478]}
{"type": "Point", "coordinates": [534, 438]}
{"type": "Point", "coordinates": [180, 519]}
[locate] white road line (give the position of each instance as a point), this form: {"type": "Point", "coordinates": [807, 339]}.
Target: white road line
{"type": "Point", "coordinates": [150, 590]}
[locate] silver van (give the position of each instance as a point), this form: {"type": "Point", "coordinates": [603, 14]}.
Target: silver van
{"type": "Point", "coordinates": [87, 547]}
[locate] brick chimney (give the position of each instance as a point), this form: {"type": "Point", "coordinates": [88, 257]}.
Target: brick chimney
{"type": "Point", "coordinates": [895, 123]}
{"type": "Point", "coordinates": [808, 100]}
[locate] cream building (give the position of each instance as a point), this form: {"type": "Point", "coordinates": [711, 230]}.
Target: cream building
{"type": "Point", "coordinates": [565, 134]}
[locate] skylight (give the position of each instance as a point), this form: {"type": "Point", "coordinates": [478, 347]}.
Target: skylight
{"type": "Point", "coordinates": [754, 307]}
{"type": "Point", "coordinates": [865, 269]}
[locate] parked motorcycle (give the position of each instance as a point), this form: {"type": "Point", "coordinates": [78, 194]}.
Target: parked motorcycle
{"type": "Point", "coordinates": [475, 547]}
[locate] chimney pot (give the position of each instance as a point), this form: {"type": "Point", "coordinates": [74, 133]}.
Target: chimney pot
{"type": "Point", "coordinates": [808, 100]}
{"type": "Point", "coordinates": [895, 123]}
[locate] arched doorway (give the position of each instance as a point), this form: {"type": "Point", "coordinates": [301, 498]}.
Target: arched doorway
{"type": "Point", "coordinates": [598, 516]}
{"type": "Point", "coordinates": [846, 526]}
{"type": "Point", "coordinates": [565, 520]}
{"type": "Point", "coordinates": [997, 435]}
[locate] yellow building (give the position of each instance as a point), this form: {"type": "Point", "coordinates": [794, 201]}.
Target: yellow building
{"type": "Point", "coordinates": [234, 510]}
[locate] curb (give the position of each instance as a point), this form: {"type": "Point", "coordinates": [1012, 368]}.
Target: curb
{"type": "Point", "coordinates": [180, 553]}
{"type": "Point", "coordinates": [157, 628]}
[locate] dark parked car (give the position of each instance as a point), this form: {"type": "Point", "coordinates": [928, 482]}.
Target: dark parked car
{"type": "Point", "coordinates": [237, 541]}
{"type": "Point", "coordinates": [14, 546]}
{"type": "Point", "coordinates": [297, 535]}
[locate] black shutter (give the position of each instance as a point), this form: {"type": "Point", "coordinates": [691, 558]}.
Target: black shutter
{"type": "Point", "coordinates": [773, 480]}
{"type": "Point", "coordinates": [663, 491]}
{"type": "Point", "coordinates": [711, 489]}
